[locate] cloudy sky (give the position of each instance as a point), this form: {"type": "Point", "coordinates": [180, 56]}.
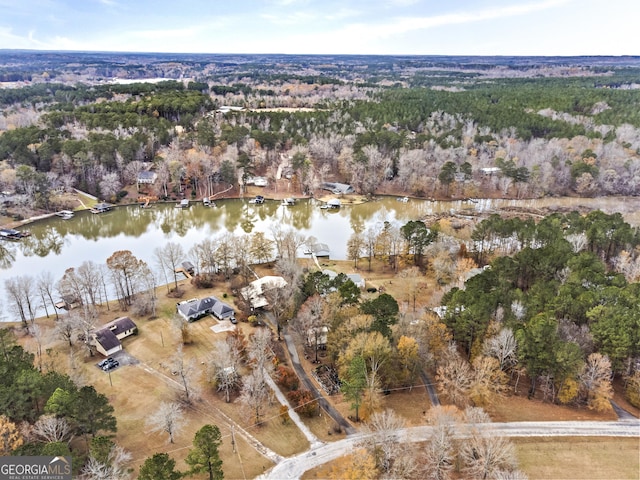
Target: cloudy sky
{"type": "Point", "coordinates": [430, 27]}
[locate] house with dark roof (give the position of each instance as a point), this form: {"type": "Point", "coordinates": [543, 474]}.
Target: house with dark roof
{"type": "Point", "coordinates": [68, 302]}
{"type": "Point", "coordinates": [107, 339]}
{"type": "Point", "coordinates": [196, 308]}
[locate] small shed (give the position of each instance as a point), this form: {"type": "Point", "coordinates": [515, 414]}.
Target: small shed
{"type": "Point", "coordinates": [68, 302]}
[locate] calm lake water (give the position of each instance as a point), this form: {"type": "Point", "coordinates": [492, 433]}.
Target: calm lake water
{"type": "Point", "coordinates": [56, 244]}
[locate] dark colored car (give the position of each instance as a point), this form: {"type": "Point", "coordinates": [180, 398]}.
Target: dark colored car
{"type": "Point", "coordinates": [110, 365]}
{"type": "Point", "coordinates": [105, 361]}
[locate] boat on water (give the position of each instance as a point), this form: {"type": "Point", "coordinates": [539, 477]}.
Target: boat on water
{"type": "Point", "coordinates": [258, 200]}
{"type": "Point", "coordinates": [11, 234]}
{"type": "Point", "coordinates": [65, 214]}
{"type": "Point", "coordinates": [403, 199]}
{"type": "Point", "coordinates": [183, 203]}
{"type": "Point", "coordinates": [288, 202]}
{"type": "Point", "coordinates": [332, 204]}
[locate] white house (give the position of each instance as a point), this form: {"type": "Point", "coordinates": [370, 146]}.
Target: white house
{"type": "Point", "coordinates": [147, 176]}
{"type": "Point", "coordinates": [254, 292]}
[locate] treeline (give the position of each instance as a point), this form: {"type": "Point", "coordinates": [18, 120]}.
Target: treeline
{"type": "Point", "coordinates": [554, 136]}
{"type": "Point", "coordinates": [567, 294]}
{"type": "Point", "coordinates": [51, 410]}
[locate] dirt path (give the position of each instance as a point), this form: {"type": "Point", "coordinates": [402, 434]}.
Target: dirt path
{"type": "Point", "coordinates": [294, 467]}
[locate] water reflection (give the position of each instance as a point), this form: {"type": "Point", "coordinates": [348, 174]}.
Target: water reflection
{"type": "Point", "coordinates": [57, 244]}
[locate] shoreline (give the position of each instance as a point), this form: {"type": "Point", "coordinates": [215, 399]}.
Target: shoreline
{"type": "Point", "coordinates": [346, 199]}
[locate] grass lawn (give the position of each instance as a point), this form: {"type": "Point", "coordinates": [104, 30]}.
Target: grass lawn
{"type": "Point", "coordinates": [579, 458]}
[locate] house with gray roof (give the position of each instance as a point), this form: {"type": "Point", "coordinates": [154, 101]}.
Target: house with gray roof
{"type": "Point", "coordinates": [147, 177]}
{"type": "Point", "coordinates": [196, 308]}
{"type": "Point", "coordinates": [338, 188]}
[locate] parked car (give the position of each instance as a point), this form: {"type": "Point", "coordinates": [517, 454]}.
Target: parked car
{"type": "Point", "coordinates": [110, 365]}
{"type": "Point", "coordinates": [105, 361]}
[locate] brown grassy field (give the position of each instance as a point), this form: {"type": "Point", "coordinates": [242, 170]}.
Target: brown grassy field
{"type": "Point", "coordinates": [579, 458]}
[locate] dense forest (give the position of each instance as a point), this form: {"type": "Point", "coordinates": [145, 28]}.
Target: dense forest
{"type": "Point", "coordinates": [432, 127]}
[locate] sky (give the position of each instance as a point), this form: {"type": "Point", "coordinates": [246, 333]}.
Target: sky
{"type": "Point", "coordinates": [384, 27]}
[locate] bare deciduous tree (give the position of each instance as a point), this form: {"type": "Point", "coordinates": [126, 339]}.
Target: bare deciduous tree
{"type": "Point", "coordinates": [50, 428]}
{"type": "Point", "coordinates": [255, 394]}
{"type": "Point", "coordinates": [116, 466]}
{"type": "Point", "coordinates": [595, 382]}
{"type": "Point", "coordinates": [45, 285]}
{"type": "Point", "coordinates": [66, 326]}
{"type": "Point", "coordinates": [169, 418]}
{"type": "Point", "coordinates": [224, 367]}
{"type": "Point", "coordinates": [455, 377]}
{"type": "Point", "coordinates": [502, 347]}
{"type": "Point", "coordinates": [169, 258]}
{"type": "Point", "coordinates": [110, 185]}
{"type": "Point", "coordinates": [187, 373]}
{"type": "Point", "coordinates": [392, 458]}
{"type": "Point", "coordinates": [484, 454]}
{"type": "Point", "coordinates": [85, 326]}
{"type": "Point", "coordinates": [89, 276]}
{"type": "Point", "coordinates": [21, 293]}
{"type": "Point", "coordinates": [311, 321]}
{"type": "Point", "coordinates": [440, 451]}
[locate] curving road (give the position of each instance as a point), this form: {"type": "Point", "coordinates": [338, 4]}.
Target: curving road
{"type": "Point", "coordinates": [294, 467]}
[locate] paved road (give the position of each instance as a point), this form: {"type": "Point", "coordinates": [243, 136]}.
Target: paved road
{"type": "Point", "coordinates": [294, 467]}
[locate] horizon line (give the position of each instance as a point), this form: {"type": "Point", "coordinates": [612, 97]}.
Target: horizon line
{"type": "Point", "coordinates": [133, 52]}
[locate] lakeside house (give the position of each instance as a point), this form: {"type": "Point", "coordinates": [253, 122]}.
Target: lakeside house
{"type": "Point", "coordinates": [318, 249]}
{"type": "Point", "coordinates": [147, 177]}
{"type": "Point", "coordinates": [338, 188]}
{"type": "Point", "coordinates": [107, 339]}
{"type": "Point", "coordinates": [356, 278]}
{"type": "Point", "coordinates": [255, 291]}
{"type": "Point", "coordinates": [194, 309]}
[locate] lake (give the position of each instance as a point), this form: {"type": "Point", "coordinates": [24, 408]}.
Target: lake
{"type": "Point", "coordinates": [56, 244]}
